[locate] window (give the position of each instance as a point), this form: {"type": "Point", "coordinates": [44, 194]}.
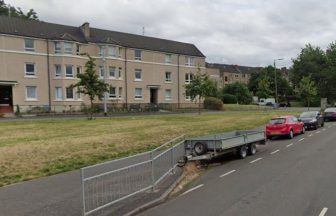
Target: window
{"type": "Point", "coordinates": [119, 72]}
{"type": "Point", "coordinates": [57, 47]}
{"type": "Point", "coordinates": [58, 93]}
{"type": "Point", "coordinates": [68, 71]}
{"type": "Point", "coordinates": [119, 52]}
{"type": "Point", "coordinates": [101, 51]}
{"type": "Point", "coordinates": [112, 72]}
{"type": "Point", "coordinates": [78, 94]}
{"type": "Point", "coordinates": [78, 49]}
{"type": "Point", "coordinates": [68, 48]}
{"type": "Point", "coordinates": [79, 69]}
{"type": "Point", "coordinates": [244, 75]}
{"type": "Point", "coordinates": [30, 69]}
{"type": "Point", "coordinates": [187, 96]}
{"type": "Point", "coordinates": [226, 78]}
{"type": "Point", "coordinates": [168, 58]}
{"type": "Point", "coordinates": [101, 72]}
{"type": "Point", "coordinates": [236, 75]}
{"type": "Point", "coordinates": [138, 74]}
{"type": "Point", "coordinates": [31, 93]}
{"type": "Point", "coordinates": [112, 92]}
{"type": "Point", "coordinates": [137, 54]}
{"type": "Point", "coordinates": [168, 77]}
{"type": "Point", "coordinates": [58, 70]}
{"type": "Point", "coordinates": [29, 45]}
{"type": "Point", "coordinates": [168, 95]}
{"type": "Point", "coordinates": [112, 51]}
{"type": "Point", "coordinates": [69, 93]}
{"type": "Point", "coordinates": [120, 92]}
{"type": "Point", "coordinates": [189, 77]}
{"type": "Point", "coordinates": [138, 93]}
{"type": "Point", "coordinates": [189, 61]}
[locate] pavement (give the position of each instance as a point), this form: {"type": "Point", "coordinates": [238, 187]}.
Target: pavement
{"type": "Point", "coordinates": [286, 177]}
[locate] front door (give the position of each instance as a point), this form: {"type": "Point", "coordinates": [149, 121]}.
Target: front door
{"type": "Point", "coordinates": [6, 102]}
{"type": "Point", "coordinates": [153, 95]}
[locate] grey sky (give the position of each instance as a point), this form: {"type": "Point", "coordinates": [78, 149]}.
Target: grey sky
{"type": "Point", "coordinates": [242, 32]}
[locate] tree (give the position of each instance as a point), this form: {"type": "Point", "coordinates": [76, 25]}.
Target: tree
{"type": "Point", "coordinates": [264, 90]}
{"type": "Point", "coordinates": [307, 89]}
{"type": "Point", "coordinates": [200, 87]}
{"type": "Point", "coordinates": [8, 10]}
{"type": "Point", "coordinates": [90, 84]}
{"type": "Point", "coordinates": [240, 90]}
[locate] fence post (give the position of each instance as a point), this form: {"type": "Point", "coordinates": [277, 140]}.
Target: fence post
{"type": "Point", "coordinates": [152, 170]}
{"type": "Point", "coordinates": [83, 191]}
{"type": "Point", "coordinates": [172, 158]}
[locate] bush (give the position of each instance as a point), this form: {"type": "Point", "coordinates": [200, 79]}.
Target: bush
{"type": "Point", "coordinates": [240, 90]}
{"type": "Point", "coordinates": [229, 98]}
{"type": "Point", "coordinates": [213, 103]}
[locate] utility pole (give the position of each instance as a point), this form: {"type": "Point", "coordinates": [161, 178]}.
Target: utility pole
{"type": "Point", "coordinates": [104, 78]}
{"type": "Point", "coordinates": [275, 80]}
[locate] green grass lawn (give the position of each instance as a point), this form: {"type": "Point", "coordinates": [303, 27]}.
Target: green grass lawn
{"type": "Point", "coordinates": [31, 149]}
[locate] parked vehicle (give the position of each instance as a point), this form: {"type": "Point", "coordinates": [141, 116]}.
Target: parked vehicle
{"type": "Point", "coordinates": [284, 126]}
{"type": "Point", "coordinates": [243, 143]}
{"type": "Point", "coordinates": [312, 119]}
{"type": "Point", "coordinates": [263, 101]}
{"type": "Point", "coordinates": [330, 114]}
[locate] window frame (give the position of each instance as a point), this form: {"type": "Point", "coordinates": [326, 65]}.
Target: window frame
{"type": "Point", "coordinates": [137, 71]}
{"type": "Point", "coordinates": [56, 50]}
{"type": "Point", "coordinates": [56, 93]}
{"type": "Point", "coordinates": [189, 61]}
{"type": "Point", "coordinates": [112, 96]}
{"type": "Point", "coordinates": [114, 72]}
{"type": "Point", "coordinates": [170, 77]}
{"type": "Point", "coordinates": [66, 94]}
{"type": "Point", "coordinates": [66, 71]}
{"type": "Point", "coordinates": [120, 92]}
{"type": "Point", "coordinates": [169, 58]}
{"type": "Point", "coordinates": [170, 94]}
{"type": "Point", "coordinates": [101, 72]}
{"type": "Point", "coordinates": [138, 96]}
{"type": "Point", "coordinates": [29, 49]}
{"type": "Point", "coordinates": [30, 98]}
{"type": "Point", "coordinates": [189, 79]}
{"type": "Point", "coordinates": [26, 72]}
{"type": "Point", "coordinates": [78, 49]}
{"type": "Point", "coordinates": [137, 57]}
{"type": "Point", "coordinates": [60, 71]}
{"type": "Point", "coordinates": [66, 49]}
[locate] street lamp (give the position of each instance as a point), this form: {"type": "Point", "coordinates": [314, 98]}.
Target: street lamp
{"type": "Point", "coordinates": [104, 79]}
{"type": "Point", "coordinates": [275, 80]}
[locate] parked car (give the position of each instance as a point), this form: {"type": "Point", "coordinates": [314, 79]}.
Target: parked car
{"type": "Point", "coordinates": [312, 119]}
{"type": "Point", "coordinates": [330, 114]}
{"type": "Point", "coordinates": [284, 126]}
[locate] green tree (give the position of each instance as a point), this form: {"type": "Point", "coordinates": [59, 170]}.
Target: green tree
{"type": "Point", "coordinates": [240, 90]}
{"type": "Point", "coordinates": [90, 84]}
{"type": "Point", "coordinates": [307, 90]}
{"type": "Point", "coordinates": [8, 10]}
{"type": "Point", "coordinates": [264, 90]}
{"type": "Point", "coordinates": [200, 87]}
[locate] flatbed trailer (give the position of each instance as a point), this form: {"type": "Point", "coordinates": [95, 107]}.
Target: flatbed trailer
{"type": "Point", "coordinates": [243, 143]}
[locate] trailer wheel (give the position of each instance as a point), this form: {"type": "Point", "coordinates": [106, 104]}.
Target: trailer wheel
{"type": "Point", "coordinates": [242, 152]}
{"type": "Point", "coordinates": [200, 148]}
{"type": "Point", "coordinates": [252, 149]}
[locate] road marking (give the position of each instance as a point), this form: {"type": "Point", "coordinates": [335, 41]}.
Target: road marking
{"type": "Point", "coordinates": [228, 173]}
{"type": "Point", "coordinates": [258, 159]}
{"type": "Point", "coordinates": [318, 132]}
{"type": "Point", "coordinates": [301, 139]}
{"type": "Point", "coordinates": [289, 145]}
{"type": "Point", "coordinates": [311, 135]}
{"type": "Point", "coordinates": [276, 151]}
{"type": "Point", "coordinates": [324, 211]}
{"type": "Point", "coordinates": [192, 189]}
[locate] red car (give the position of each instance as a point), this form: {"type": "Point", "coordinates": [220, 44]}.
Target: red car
{"type": "Point", "coordinates": [284, 126]}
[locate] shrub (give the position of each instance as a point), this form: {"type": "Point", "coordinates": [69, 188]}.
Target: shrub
{"type": "Point", "coordinates": [229, 99]}
{"type": "Point", "coordinates": [213, 103]}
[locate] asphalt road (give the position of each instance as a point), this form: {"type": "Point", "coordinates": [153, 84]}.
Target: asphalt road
{"type": "Point", "coordinates": [285, 178]}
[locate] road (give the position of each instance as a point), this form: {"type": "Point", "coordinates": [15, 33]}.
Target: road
{"type": "Point", "coordinates": [286, 177]}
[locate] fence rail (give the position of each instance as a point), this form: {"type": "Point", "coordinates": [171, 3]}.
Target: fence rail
{"type": "Point", "coordinates": [108, 183]}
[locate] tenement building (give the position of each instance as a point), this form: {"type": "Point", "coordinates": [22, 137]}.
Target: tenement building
{"type": "Point", "coordinates": [40, 60]}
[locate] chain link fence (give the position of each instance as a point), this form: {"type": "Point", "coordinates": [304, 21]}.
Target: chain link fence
{"type": "Point", "coordinates": [109, 183]}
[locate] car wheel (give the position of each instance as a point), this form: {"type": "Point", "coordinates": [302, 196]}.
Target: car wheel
{"type": "Point", "coordinates": [200, 148]}
{"type": "Point", "coordinates": [242, 152]}
{"type": "Point", "coordinates": [291, 134]}
{"type": "Point", "coordinates": [252, 149]}
{"type": "Point", "coordinates": [303, 130]}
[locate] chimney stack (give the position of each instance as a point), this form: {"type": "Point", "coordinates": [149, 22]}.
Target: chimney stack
{"type": "Point", "coordinates": [86, 29]}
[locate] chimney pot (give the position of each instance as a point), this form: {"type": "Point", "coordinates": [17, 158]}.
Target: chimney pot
{"type": "Point", "coordinates": [86, 29]}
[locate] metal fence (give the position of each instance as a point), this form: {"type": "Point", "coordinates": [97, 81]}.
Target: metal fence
{"type": "Point", "coordinates": [109, 183]}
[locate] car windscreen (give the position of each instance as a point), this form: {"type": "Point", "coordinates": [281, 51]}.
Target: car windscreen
{"type": "Point", "coordinates": [308, 115]}
{"type": "Point", "coordinates": [277, 121]}
{"type": "Point", "coordinates": [330, 110]}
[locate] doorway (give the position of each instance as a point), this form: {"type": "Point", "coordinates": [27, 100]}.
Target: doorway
{"type": "Point", "coordinates": [153, 95]}
{"type": "Point", "coordinates": [6, 99]}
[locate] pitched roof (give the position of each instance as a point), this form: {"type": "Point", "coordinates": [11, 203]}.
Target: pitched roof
{"type": "Point", "coordinates": [40, 29]}
{"type": "Point", "coordinates": [233, 68]}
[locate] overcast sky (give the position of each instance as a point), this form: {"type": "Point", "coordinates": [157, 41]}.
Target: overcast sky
{"type": "Point", "coordinates": [241, 32]}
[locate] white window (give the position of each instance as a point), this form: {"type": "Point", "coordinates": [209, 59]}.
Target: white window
{"type": "Point", "coordinates": [168, 94]}
{"type": "Point", "coordinates": [31, 93]}
{"type": "Point", "coordinates": [68, 48]}
{"type": "Point", "coordinates": [101, 51]}
{"type": "Point", "coordinates": [189, 61]}
{"type": "Point", "coordinates": [101, 72]}
{"type": "Point", "coordinates": [137, 54]}
{"type": "Point", "coordinates": [168, 77]}
{"type": "Point", "coordinates": [138, 74]}
{"type": "Point", "coordinates": [69, 93]}
{"type": "Point", "coordinates": [168, 58]}
{"type": "Point", "coordinates": [138, 93]}
{"type": "Point", "coordinates": [119, 72]}
{"type": "Point", "coordinates": [29, 44]}
{"type": "Point", "coordinates": [78, 49]}
{"type": "Point", "coordinates": [58, 93]}
{"type": "Point", "coordinates": [69, 71]}
{"type": "Point", "coordinates": [112, 92]}
{"type": "Point", "coordinates": [57, 47]}
{"type": "Point", "coordinates": [58, 70]}
{"type": "Point", "coordinates": [112, 72]}
{"type": "Point", "coordinates": [30, 69]}
{"type": "Point", "coordinates": [112, 51]}
{"type": "Point", "coordinates": [189, 77]}
{"type": "Point", "coordinates": [79, 69]}
{"type": "Point", "coordinates": [120, 92]}
{"type": "Point", "coordinates": [119, 52]}
{"type": "Point", "coordinates": [188, 97]}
